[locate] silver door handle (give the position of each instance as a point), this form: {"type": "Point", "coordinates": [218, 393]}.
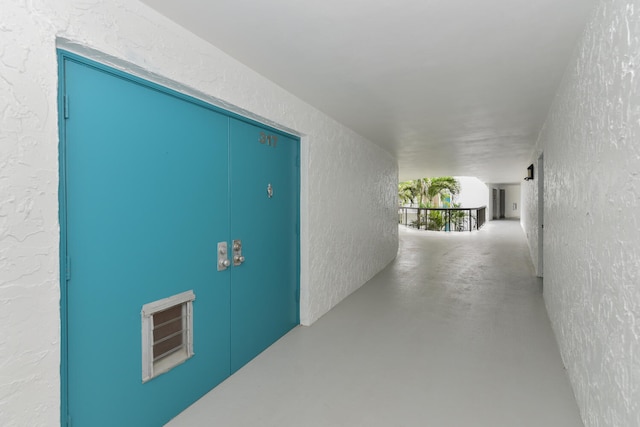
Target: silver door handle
{"type": "Point", "coordinates": [223, 260]}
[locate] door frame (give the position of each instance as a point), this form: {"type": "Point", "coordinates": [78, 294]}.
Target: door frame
{"type": "Point", "coordinates": [494, 203]}
{"type": "Point", "coordinates": [540, 178]}
{"type": "Point", "coordinates": [63, 56]}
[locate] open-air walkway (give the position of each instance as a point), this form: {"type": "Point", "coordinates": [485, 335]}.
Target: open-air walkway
{"type": "Point", "coordinates": [453, 333]}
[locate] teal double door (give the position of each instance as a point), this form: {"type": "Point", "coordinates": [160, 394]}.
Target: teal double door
{"type": "Point", "coordinates": [151, 182]}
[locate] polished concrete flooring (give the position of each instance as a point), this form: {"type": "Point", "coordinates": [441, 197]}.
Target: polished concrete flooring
{"type": "Point", "coordinates": [453, 333]}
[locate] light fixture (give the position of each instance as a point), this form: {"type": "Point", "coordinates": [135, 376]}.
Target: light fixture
{"type": "Point", "coordinates": [529, 173]}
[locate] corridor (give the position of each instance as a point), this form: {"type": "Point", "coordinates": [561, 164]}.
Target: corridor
{"type": "Point", "coordinates": [453, 333]}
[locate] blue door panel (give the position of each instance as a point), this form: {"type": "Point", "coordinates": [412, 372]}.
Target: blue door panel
{"type": "Point", "coordinates": [145, 173]}
{"type": "Point", "coordinates": [152, 181]}
{"type": "Point", "coordinates": [264, 300]}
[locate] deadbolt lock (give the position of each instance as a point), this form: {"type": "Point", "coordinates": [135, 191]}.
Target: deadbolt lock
{"type": "Point", "coordinates": [237, 253]}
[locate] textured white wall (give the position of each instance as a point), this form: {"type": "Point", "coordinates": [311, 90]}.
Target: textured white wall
{"type": "Point", "coordinates": [592, 217]}
{"type": "Point", "coordinates": [348, 211]}
{"type": "Point", "coordinates": [490, 210]}
{"type": "Point", "coordinates": [511, 196]}
{"type": "Point", "coordinates": [473, 192]}
{"type": "Point", "coordinates": [529, 216]}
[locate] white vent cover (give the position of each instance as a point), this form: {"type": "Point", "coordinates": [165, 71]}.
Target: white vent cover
{"type": "Point", "coordinates": [167, 334]}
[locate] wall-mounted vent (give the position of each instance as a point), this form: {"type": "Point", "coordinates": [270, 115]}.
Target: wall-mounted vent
{"type": "Point", "coordinates": [167, 334]}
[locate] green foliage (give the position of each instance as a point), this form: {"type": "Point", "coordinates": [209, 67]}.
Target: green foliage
{"type": "Point", "coordinates": [424, 190]}
{"type": "Point", "coordinates": [407, 192]}
{"type": "Point", "coordinates": [436, 220]}
{"type": "Point", "coordinates": [458, 218]}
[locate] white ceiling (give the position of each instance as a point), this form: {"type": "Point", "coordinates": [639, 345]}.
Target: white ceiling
{"type": "Point", "coordinates": [449, 87]}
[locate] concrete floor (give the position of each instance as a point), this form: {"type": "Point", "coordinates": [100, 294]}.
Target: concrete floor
{"type": "Point", "coordinates": [454, 333]}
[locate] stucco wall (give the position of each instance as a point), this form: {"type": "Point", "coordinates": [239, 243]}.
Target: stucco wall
{"type": "Point", "coordinates": [529, 217]}
{"type": "Point", "coordinates": [592, 217]}
{"type": "Point", "coordinates": [512, 195]}
{"type": "Point", "coordinates": [473, 192]}
{"type": "Point", "coordinates": [348, 212]}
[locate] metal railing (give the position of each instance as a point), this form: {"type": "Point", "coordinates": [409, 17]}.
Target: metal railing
{"type": "Point", "coordinates": [443, 219]}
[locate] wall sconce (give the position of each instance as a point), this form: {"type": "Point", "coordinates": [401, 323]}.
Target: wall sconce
{"type": "Point", "coordinates": [529, 173]}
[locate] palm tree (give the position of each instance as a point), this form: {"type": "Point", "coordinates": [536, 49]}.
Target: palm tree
{"type": "Point", "coordinates": [407, 192]}
{"type": "Point", "coordinates": [422, 190]}
{"type": "Point", "coordinates": [425, 190]}
{"type": "Point", "coordinates": [443, 184]}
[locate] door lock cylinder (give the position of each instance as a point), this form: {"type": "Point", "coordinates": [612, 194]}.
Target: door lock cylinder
{"type": "Point", "coordinates": [237, 253]}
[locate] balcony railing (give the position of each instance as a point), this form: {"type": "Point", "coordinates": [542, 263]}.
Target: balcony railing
{"type": "Point", "coordinates": [443, 219]}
